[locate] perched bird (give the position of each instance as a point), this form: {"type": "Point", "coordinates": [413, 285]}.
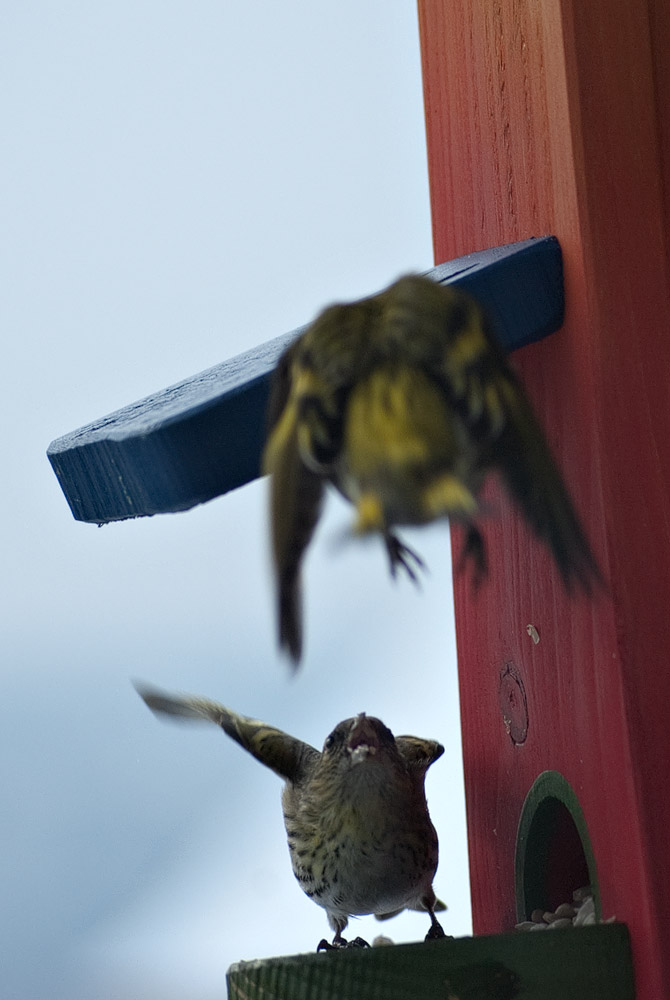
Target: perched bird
{"type": "Point", "coordinates": [359, 834]}
{"type": "Point", "coordinates": [405, 402]}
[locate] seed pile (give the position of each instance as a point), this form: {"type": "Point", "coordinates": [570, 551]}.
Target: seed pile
{"type": "Point", "coordinates": [580, 912]}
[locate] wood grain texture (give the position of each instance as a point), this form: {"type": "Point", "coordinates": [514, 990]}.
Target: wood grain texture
{"type": "Point", "coordinates": [553, 117]}
{"type": "Point", "coordinates": [582, 964]}
{"type": "Point", "coordinates": [203, 437]}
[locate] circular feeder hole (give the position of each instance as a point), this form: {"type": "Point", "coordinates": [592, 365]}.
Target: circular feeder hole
{"type": "Point", "coordinates": [553, 850]}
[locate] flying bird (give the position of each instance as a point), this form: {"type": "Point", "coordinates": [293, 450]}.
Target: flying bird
{"type": "Point", "coordinates": [359, 834]}
{"type": "Point", "coordinates": [405, 402]}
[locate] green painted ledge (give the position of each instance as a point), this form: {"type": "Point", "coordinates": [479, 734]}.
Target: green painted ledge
{"type": "Point", "coordinates": [584, 963]}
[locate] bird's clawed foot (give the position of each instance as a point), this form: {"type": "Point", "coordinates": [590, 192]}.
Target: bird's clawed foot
{"type": "Point", "coordinates": [435, 932]}
{"type": "Point", "coordinates": [401, 555]}
{"type": "Point", "coordinates": [340, 942]}
{"type": "Point", "coordinates": [474, 550]}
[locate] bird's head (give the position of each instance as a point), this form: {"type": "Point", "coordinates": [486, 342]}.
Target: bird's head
{"type": "Point", "coordinates": [361, 752]}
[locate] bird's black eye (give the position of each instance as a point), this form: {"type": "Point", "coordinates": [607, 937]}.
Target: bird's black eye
{"type": "Point", "coordinates": [338, 735]}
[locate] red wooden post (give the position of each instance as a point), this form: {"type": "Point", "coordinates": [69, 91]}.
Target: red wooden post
{"type": "Point", "coordinates": [555, 117]}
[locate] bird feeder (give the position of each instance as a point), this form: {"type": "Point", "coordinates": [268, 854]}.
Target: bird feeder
{"type": "Point", "coordinates": [541, 118]}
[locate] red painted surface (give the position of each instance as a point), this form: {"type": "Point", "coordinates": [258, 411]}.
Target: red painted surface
{"type": "Point", "coordinates": [555, 117]}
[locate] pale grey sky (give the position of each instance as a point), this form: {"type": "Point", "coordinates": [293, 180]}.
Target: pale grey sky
{"type": "Point", "coordinates": [181, 182]}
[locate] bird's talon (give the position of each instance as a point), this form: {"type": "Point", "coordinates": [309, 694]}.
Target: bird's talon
{"type": "Point", "coordinates": [474, 550]}
{"type": "Point", "coordinates": [401, 555]}
{"type": "Point", "coordinates": [340, 942]}
{"type": "Point", "coordinates": [435, 932]}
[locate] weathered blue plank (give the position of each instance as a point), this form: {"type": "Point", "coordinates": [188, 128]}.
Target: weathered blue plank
{"type": "Point", "coordinates": [204, 436]}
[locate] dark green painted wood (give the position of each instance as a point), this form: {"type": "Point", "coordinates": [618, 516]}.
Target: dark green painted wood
{"type": "Point", "coordinates": [552, 835]}
{"type": "Point", "coordinates": [203, 437]}
{"type": "Point", "coordinates": [585, 963]}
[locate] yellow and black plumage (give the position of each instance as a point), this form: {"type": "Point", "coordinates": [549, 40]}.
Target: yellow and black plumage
{"type": "Point", "coordinates": [404, 401]}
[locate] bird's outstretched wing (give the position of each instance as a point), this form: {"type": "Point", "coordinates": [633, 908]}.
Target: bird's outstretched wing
{"type": "Point", "coordinates": [287, 756]}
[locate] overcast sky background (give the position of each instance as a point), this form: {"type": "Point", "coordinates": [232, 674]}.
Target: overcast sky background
{"type": "Point", "coordinates": [181, 182]}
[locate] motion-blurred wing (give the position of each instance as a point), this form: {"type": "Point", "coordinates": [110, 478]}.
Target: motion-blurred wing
{"type": "Point", "coordinates": [532, 478]}
{"type": "Point", "coordinates": [287, 756]}
{"type": "Point", "coordinates": [296, 495]}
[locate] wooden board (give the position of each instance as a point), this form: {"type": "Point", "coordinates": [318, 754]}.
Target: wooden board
{"type": "Point", "coordinates": [554, 116]}
{"type": "Point", "coordinates": [203, 437]}
{"type": "Point", "coordinates": [585, 963]}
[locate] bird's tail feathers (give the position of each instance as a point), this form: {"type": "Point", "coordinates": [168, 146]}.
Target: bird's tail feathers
{"type": "Point", "coordinates": [419, 907]}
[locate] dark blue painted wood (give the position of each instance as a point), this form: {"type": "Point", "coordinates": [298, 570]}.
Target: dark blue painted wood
{"type": "Point", "coordinates": [204, 436]}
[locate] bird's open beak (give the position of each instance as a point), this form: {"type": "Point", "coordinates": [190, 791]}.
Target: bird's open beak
{"type": "Point", "coordinates": [363, 741]}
